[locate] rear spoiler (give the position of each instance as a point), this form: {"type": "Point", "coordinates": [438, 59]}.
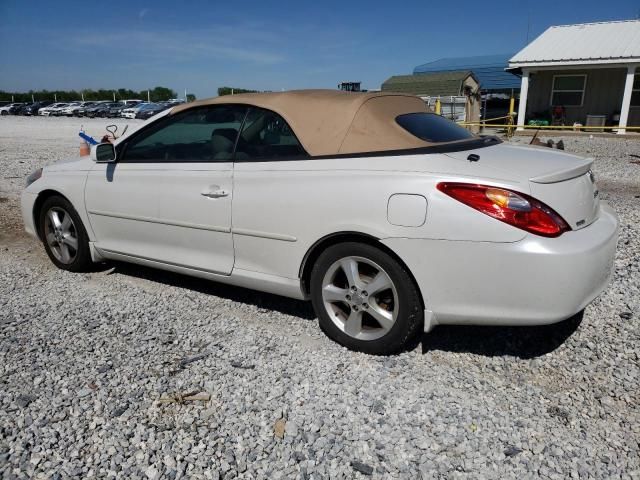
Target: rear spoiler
{"type": "Point", "coordinates": [562, 175]}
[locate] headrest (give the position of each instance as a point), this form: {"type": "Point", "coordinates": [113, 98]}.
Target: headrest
{"type": "Point", "coordinates": [223, 139]}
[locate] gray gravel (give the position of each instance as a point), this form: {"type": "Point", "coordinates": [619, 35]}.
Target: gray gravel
{"type": "Point", "coordinates": [86, 358]}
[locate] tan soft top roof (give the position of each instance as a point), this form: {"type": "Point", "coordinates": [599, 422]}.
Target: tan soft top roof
{"type": "Point", "coordinates": [330, 122]}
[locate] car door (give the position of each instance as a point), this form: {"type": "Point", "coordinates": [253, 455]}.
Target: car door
{"type": "Point", "coordinates": [168, 196]}
{"type": "Point", "coordinates": [272, 189]}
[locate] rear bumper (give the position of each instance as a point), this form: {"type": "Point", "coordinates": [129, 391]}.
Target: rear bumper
{"type": "Point", "coordinates": [530, 282]}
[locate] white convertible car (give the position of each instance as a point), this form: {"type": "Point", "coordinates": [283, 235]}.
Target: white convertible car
{"type": "Point", "coordinates": [391, 219]}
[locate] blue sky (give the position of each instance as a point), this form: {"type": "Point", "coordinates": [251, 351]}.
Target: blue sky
{"type": "Point", "coordinates": [266, 45]}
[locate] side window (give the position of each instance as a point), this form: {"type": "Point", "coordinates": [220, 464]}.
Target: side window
{"type": "Point", "coordinates": [267, 136]}
{"type": "Point", "coordinates": [199, 135]}
{"type": "Point", "coordinates": [568, 90]}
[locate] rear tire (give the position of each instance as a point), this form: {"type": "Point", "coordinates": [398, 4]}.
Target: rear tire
{"type": "Point", "coordinates": [64, 236]}
{"type": "Point", "coordinates": [365, 299]}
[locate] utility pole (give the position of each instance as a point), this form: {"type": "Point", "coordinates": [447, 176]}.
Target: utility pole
{"type": "Point", "coordinates": [55, 97]}
{"type": "Point", "coordinates": [82, 93]}
{"type": "Point", "coordinates": [114, 96]}
{"type": "Point", "coordinates": [33, 99]}
{"type": "Point", "coordinates": [185, 94]}
{"type": "Point", "coordinates": [148, 96]}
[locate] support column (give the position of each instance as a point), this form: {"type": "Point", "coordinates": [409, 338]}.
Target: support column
{"type": "Point", "coordinates": [524, 91]}
{"type": "Point", "coordinates": [626, 98]}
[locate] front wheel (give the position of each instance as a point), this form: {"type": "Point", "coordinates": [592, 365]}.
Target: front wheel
{"type": "Point", "coordinates": [64, 236]}
{"type": "Point", "coordinates": [365, 299]}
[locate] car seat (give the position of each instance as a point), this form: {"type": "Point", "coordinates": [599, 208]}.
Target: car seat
{"type": "Point", "coordinates": [222, 143]}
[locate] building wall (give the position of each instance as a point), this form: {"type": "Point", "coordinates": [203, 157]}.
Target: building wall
{"type": "Point", "coordinates": [602, 96]}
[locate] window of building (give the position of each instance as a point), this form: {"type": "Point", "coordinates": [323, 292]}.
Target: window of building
{"type": "Point", "coordinates": [568, 90]}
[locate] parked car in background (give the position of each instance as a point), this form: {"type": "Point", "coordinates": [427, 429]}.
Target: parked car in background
{"type": "Point", "coordinates": [390, 218]}
{"type": "Point", "coordinates": [67, 110]}
{"type": "Point", "coordinates": [59, 111]}
{"type": "Point", "coordinates": [16, 108]}
{"type": "Point", "coordinates": [34, 107]}
{"type": "Point", "coordinates": [10, 108]}
{"type": "Point", "coordinates": [152, 110]}
{"type": "Point", "coordinates": [79, 112]}
{"type": "Point", "coordinates": [130, 112]}
{"type": "Point", "coordinates": [47, 111]}
{"type": "Point", "coordinates": [21, 109]}
{"type": "Point", "coordinates": [95, 110]}
{"type": "Point", "coordinates": [113, 111]}
{"type": "Point", "coordinates": [73, 109]}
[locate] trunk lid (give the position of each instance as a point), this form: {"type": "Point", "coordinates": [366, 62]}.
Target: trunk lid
{"type": "Point", "coordinates": [561, 180]}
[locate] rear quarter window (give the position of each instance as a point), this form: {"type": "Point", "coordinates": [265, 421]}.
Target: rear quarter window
{"type": "Point", "coordinates": [432, 128]}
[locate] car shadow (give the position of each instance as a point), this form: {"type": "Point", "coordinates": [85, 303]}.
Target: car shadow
{"type": "Point", "coordinates": [267, 301]}
{"type": "Point", "coordinates": [490, 341]}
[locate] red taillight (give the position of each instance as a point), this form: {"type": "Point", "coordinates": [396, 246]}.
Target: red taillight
{"type": "Point", "coordinates": [514, 208]}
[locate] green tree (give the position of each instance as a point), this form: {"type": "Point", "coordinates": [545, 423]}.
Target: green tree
{"type": "Point", "coordinates": [191, 97]}
{"type": "Point", "coordinates": [127, 94]}
{"type": "Point", "coordinates": [229, 90]}
{"type": "Point", "coordinates": [160, 94]}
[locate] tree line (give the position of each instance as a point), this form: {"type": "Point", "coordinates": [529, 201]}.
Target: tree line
{"type": "Point", "coordinates": [230, 91]}
{"type": "Point", "coordinates": [157, 94]}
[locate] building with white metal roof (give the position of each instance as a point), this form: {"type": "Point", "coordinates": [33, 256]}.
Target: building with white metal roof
{"type": "Point", "coordinates": [582, 73]}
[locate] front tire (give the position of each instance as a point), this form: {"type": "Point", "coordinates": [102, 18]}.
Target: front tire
{"type": "Point", "coordinates": [64, 236]}
{"type": "Point", "coordinates": [365, 299]}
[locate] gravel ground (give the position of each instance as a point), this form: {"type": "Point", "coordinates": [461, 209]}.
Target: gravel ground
{"type": "Point", "coordinates": [95, 368]}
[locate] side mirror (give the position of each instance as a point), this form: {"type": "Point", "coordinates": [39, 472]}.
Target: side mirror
{"type": "Point", "coordinates": [103, 153]}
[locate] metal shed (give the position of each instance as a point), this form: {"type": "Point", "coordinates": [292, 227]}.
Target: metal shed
{"type": "Point", "coordinates": [433, 84]}
{"type": "Point", "coordinates": [458, 92]}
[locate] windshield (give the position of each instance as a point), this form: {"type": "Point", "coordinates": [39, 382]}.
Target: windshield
{"type": "Point", "coordinates": [433, 128]}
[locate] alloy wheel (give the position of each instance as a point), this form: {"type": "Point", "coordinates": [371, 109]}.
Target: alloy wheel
{"type": "Point", "coordinates": [360, 298]}
{"type": "Point", "coordinates": [61, 235]}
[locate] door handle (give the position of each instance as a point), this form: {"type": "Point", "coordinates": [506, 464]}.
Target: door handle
{"type": "Point", "coordinates": [217, 193]}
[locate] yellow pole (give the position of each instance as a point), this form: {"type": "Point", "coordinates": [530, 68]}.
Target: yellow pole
{"type": "Point", "coordinates": [512, 105]}
{"type": "Point", "coordinates": [437, 106]}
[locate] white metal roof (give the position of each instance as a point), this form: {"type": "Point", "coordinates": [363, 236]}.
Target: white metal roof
{"type": "Point", "coordinates": [583, 44]}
